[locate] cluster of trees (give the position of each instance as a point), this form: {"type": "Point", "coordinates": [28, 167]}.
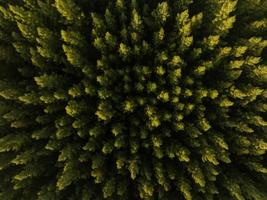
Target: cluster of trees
{"type": "Point", "coordinates": [118, 99]}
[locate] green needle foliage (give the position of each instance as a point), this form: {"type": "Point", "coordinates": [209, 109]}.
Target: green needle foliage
{"type": "Point", "coordinates": [133, 100]}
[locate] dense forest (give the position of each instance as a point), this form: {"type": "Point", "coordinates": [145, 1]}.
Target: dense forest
{"type": "Point", "coordinates": [133, 99]}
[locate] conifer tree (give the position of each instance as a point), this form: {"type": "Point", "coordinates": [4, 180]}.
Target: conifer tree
{"type": "Point", "coordinates": [150, 100]}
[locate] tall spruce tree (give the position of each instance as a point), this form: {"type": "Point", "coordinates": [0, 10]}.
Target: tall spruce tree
{"type": "Point", "coordinates": [129, 100]}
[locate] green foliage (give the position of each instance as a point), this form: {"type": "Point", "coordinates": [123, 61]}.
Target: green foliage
{"type": "Point", "coordinates": [118, 100]}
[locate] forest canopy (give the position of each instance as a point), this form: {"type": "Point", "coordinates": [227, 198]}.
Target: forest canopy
{"type": "Point", "coordinates": [133, 100]}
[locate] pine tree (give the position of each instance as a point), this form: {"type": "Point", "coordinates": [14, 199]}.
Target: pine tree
{"type": "Point", "coordinates": [133, 99]}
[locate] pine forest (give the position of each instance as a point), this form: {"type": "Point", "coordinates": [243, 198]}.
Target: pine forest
{"type": "Point", "coordinates": [133, 99]}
